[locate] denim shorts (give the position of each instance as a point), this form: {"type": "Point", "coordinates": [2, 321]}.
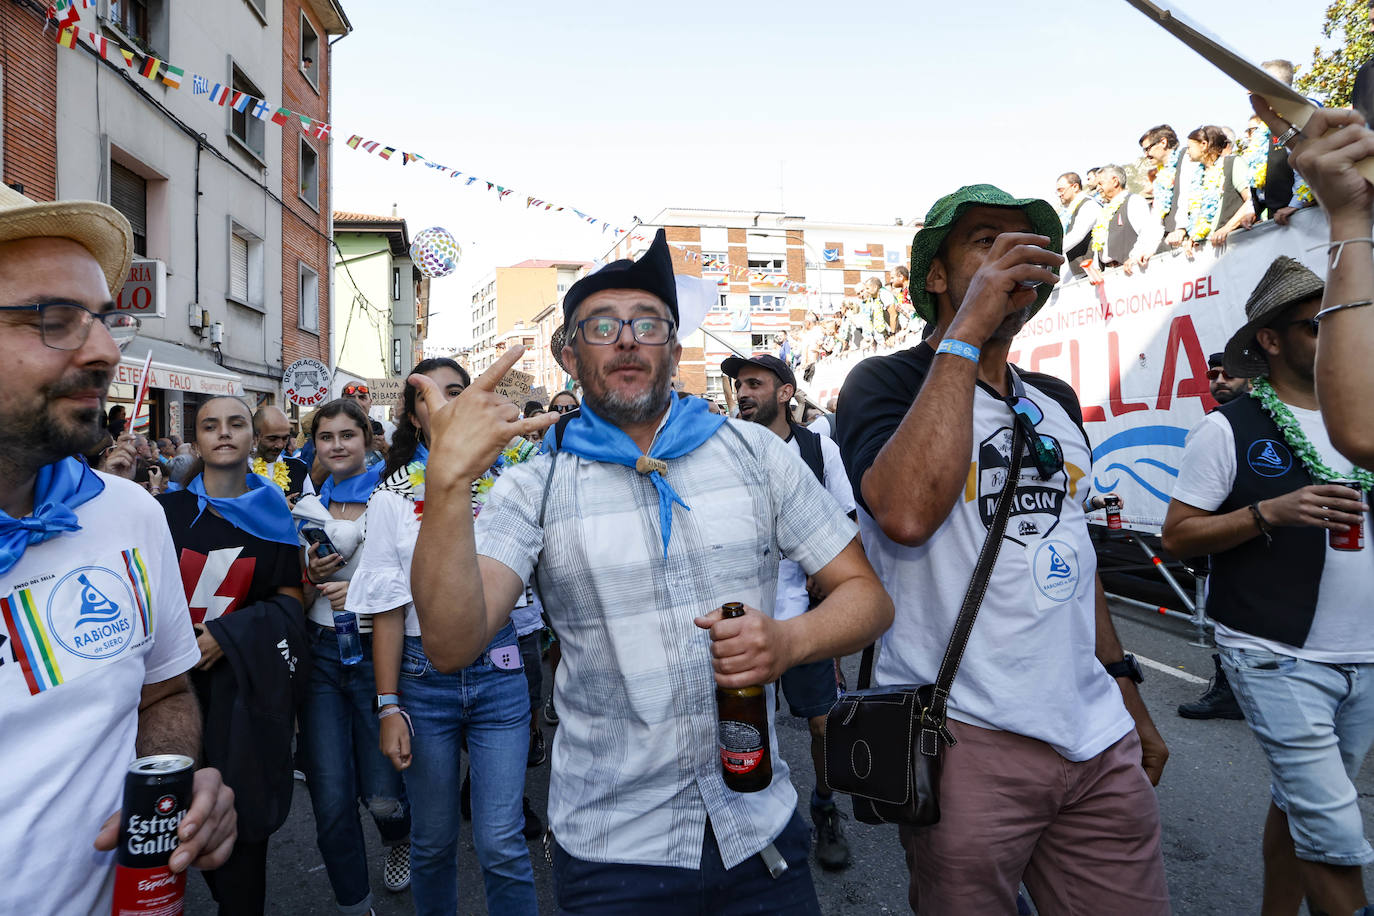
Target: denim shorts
{"type": "Point", "coordinates": [1315, 723]}
{"type": "Point", "coordinates": [810, 688]}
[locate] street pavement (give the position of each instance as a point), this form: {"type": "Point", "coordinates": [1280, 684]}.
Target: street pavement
{"type": "Point", "coordinates": [1213, 800]}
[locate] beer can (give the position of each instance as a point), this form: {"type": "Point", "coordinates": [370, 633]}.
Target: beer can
{"type": "Point", "coordinates": [157, 795]}
{"type": "Point", "coordinates": [1351, 538]}
{"type": "Point", "coordinates": [1113, 506]}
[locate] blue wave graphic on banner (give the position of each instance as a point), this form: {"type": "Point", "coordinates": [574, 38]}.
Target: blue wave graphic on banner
{"type": "Point", "coordinates": [1140, 437]}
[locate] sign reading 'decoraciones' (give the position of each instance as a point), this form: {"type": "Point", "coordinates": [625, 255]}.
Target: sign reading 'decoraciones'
{"type": "Point", "coordinates": [306, 382]}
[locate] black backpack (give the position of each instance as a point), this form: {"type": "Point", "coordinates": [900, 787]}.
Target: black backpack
{"type": "Point", "coordinates": [809, 443]}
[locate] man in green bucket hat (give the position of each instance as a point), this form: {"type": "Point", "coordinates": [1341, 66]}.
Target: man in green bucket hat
{"type": "Point", "coordinates": [1048, 779]}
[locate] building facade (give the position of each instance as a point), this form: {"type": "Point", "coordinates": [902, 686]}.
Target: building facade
{"type": "Point", "coordinates": [202, 184]}
{"type": "Point", "coordinates": [307, 227]}
{"type": "Point", "coordinates": [771, 270]}
{"type": "Point", "coordinates": [513, 295]}
{"type": "Point", "coordinates": [382, 299]}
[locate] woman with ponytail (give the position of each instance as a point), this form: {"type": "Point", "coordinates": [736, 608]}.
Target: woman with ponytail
{"type": "Point", "coordinates": [338, 736]}
{"type": "Point", "coordinates": [240, 567]}
{"type": "Point", "coordinates": [427, 716]}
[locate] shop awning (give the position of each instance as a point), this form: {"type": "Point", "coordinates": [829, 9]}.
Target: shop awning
{"type": "Point", "coordinates": [175, 368]}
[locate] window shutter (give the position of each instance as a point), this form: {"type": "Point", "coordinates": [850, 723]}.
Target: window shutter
{"type": "Point", "coordinates": [129, 195]}
{"type": "Point", "coordinates": [238, 267]}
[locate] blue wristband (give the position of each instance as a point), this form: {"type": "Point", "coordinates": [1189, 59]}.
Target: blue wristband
{"type": "Point", "coordinates": [958, 348]}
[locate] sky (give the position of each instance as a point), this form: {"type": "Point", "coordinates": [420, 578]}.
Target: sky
{"type": "Point", "coordinates": [862, 112]}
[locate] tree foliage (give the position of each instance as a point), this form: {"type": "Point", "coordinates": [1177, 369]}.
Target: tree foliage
{"type": "Point", "coordinates": [1331, 75]}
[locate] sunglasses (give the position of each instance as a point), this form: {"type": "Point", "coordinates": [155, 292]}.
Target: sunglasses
{"type": "Point", "coordinates": [1312, 324]}
{"type": "Point", "coordinates": [1045, 450]}
{"type": "Point", "coordinates": [1214, 374]}
{"type": "Point", "coordinates": [563, 408]}
{"type": "Point", "coordinates": [351, 391]}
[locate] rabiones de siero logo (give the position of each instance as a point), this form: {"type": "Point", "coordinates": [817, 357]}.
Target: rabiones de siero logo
{"type": "Point", "coordinates": [92, 613]}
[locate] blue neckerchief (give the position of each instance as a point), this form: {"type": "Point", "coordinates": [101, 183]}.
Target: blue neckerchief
{"type": "Point", "coordinates": [58, 489]}
{"type": "Point", "coordinates": [690, 423]}
{"type": "Point", "coordinates": [355, 489]}
{"type": "Point", "coordinates": [262, 512]}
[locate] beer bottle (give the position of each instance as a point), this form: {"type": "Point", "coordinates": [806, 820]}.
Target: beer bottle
{"type": "Point", "coordinates": [746, 762]}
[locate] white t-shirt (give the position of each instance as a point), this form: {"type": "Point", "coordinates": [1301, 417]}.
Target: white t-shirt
{"type": "Point", "coordinates": [1030, 666]}
{"type": "Point", "coordinates": [792, 599]}
{"type": "Point", "coordinates": [822, 425]}
{"type": "Point", "coordinates": [1340, 630]}
{"type": "Point", "coordinates": [347, 536]}
{"type": "Point", "coordinates": [88, 618]}
{"type": "Point", "coordinates": [381, 581]}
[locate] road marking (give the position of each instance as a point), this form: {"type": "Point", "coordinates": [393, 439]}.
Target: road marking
{"type": "Point", "coordinates": [1160, 666]}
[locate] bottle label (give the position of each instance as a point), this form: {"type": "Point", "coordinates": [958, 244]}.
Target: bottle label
{"type": "Point", "coordinates": [741, 746]}
{"type": "Point", "coordinates": [148, 891]}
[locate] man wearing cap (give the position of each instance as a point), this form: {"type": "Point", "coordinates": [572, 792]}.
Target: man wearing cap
{"type": "Point", "coordinates": [95, 638]}
{"type": "Point", "coordinates": [1050, 779]}
{"type": "Point", "coordinates": [647, 513]}
{"type": "Point", "coordinates": [765, 386]}
{"type": "Point", "coordinates": [1223, 387]}
{"type": "Point", "coordinates": [1290, 606]}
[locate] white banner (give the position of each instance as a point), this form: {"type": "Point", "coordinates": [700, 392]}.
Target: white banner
{"type": "Point", "coordinates": [1135, 349]}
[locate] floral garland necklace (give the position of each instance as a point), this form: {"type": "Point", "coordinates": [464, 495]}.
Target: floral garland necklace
{"type": "Point", "coordinates": [1207, 200]}
{"type": "Point", "coordinates": [1104, 222]}
{"type": "Point", "coordinates": [1297, 440]}
{"type": "Point", "coordinates": [1165, 180]}
{"type": "Point", "coordinates": [1257, 156]}
{"type": "Point", "coordinates": [277, 472]}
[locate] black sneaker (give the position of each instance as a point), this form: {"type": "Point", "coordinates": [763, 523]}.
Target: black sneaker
{"type": "Point", "coordinates": [538, 750]}
{"type": "Point", "coordinates": [550, 714]}
{"type": "Point", "coordinates": [1217, 703]}
{"type": "Point", "coordinates": [832, 852]}
{"type": "Point", "coordinates": [534, 827]}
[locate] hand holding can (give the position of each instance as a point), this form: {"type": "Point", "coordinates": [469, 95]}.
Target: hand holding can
{"type": "Point", "coordinates": [1352, 538]}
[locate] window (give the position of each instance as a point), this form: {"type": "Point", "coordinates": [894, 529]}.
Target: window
{"type": "Point", "coordinates": [142, 23]}
{"type": "Point", "coordinates": [396, 283]}
{"type": "Point", "coordinates": [713, 261]}
{"type": "Point", "coordinates": [131, 18]}
{"type": "Point", "coordinates": [767, 303]}
{"type": "Point", "coordinates": [396, 356]}
{"type": "Point", "coordinates": [245, 267]}
{"type": "Point", "coordinates": [259, 7]}
{"type": "Point", "coordinates": [768, 265]}
{"type": "Point", "coordinates": [310, 51]}
{"type": "Point", "coordinates": [308, 303]}
{"type": "Point", "coordinates": [309, 174]}
{"type": "Point", "coordinates": [759, 342]}
{"type": "Point", "coordinates": [129, 195]}
{"type": "Point", "coordinates": [243, 127]}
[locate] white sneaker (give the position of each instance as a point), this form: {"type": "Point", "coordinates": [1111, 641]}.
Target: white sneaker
{"type": "Point", "coordinates": [396, 872]}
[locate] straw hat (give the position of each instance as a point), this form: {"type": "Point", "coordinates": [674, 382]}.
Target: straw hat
{"type": "Point", "coordinates": [99, 228]}
{"type": "Point", "coordinates": [1285, 283]}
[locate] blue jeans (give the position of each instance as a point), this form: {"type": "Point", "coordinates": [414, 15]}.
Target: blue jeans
{"type": "Point", "coordinates": [489, 707]}
{"type": "Point", "coordinates": [585, 888]}
{"type": "Point", "coordinates": [1315, 724]}
{"type": "Point", "coordinates": [342, 761]}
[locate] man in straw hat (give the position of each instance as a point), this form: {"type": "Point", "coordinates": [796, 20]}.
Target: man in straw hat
{"type": "Point", "coordinates": [1289, 591]}
{"type": "Point", "coordinates": [1045, 783]}
{"type": "Point", "coordinates": [93, 619]}
{"type": "Point", "coordinates": [648, 514]}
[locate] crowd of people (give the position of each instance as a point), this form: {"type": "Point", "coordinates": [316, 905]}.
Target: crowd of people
{"type": "Point", "coordinates": [369, 611]}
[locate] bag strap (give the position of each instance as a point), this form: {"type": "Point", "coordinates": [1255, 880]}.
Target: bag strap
{"type": "Point", "coordinates": [933, 718]}
{"type": "Point", "coordinates": [809, 444]}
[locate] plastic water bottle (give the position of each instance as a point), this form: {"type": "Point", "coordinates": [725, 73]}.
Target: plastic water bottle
{"type": "Point", "coordinates": [346, 630]}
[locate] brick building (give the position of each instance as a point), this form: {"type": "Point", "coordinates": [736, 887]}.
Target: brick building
{"type": "Point", "coordinates": [28, 86]}
{"type": "Point", "coordinates": [307, 229]}
{"type": "Point", "coordinates": [757, 259]}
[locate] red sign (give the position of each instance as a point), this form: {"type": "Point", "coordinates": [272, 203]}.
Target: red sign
{"type": "Point", "coordinates": [145, 290]}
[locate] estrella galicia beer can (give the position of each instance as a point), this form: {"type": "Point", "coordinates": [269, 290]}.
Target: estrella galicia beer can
{"type": "Point", "coordinates": [1351, 538]}
{"type": "Point", "coordinates": [1113, 507]}
{"type": "Point", "coordinates": [157, 795]}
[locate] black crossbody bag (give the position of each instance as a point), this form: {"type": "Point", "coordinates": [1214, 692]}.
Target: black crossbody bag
{"type": "Point", "coordinates": [883, 744]}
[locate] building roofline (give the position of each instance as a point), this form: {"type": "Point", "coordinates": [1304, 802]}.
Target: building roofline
{"type": "Point", "coordinates": [332, 16]}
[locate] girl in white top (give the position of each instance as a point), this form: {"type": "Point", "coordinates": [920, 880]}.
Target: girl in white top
{"type": "Point", "coordinates": [339, 734]}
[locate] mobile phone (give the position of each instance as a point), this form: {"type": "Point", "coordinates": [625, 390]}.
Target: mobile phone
{"type": "Point", "coordinates": [320, 541]}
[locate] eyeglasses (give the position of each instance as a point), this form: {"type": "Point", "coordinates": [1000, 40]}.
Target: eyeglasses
{"type": "Point", "coordinates": [1312, 324]}
{"type": "Point", "coordinates": [563, 408]}
{"type": "Point", "coordinates": [606, 329]}
{"type": "Point", "coordinates": [66, 325]}
{"type": "Point", "coordinates": [1214, 374]}
{"type": "Point", "coordinates": [1146, 147]}
{"type": "Point", "coordinates": [356, 391]}
{"type": "Point", "coordinates": [1049, 457]}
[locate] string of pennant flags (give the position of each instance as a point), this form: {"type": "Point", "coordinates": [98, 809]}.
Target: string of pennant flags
{"type": "Point", "coordinates": [70, 35]}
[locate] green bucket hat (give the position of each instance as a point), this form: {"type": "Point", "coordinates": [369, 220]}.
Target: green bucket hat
{"type": "Point", "coordinates": [946, 212]}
